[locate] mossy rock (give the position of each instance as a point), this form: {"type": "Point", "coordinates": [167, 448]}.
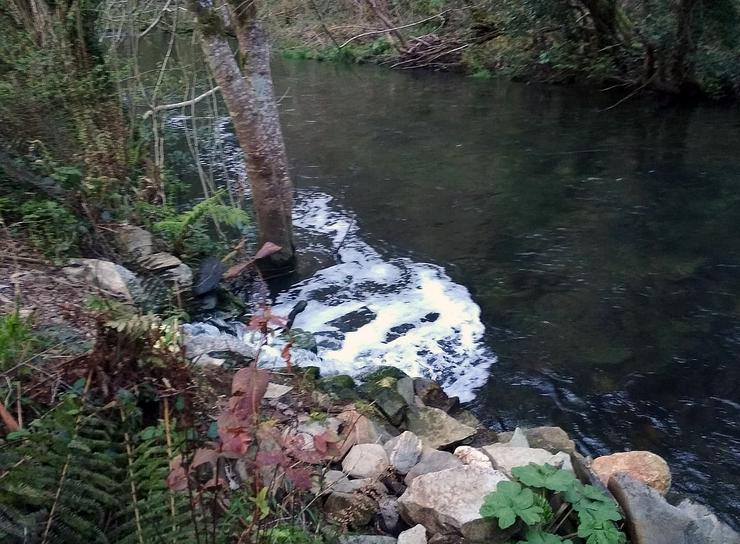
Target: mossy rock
{"type": "Point", "coordinates": [377, 374]}
{"type": "Point", "coordinates": [340, 386]}
{"type": "Point", "coordinates": [302, 339]}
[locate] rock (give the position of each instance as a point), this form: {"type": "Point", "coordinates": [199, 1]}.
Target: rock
{"type": "Point", "coordinates": [276, 390]}
{"type": "Point", "coordinates": [435, 428]}
{"type": "Point", "coordinates": [518, 439]}
{"type": "Point", "coordinates": [378, 373]}
{"type": "Point", "coordinates": [389, 514]}
{"type": "Point", "coordinates": [705, 528]}
{"type": "Point", "coordinates": [365, 461]}
{"type": "Point", "coordinates": [562, 460]}
{"type": "Point", "coordinates": [432, 460]}
{"type": "Point", "coordinates": [552, 439]}
{"type": "Point", "coordinates": [404, 451]}
{"type": "Point", "coordinates": [360, 429]}
{"type": "Point", "coordinates": [405, 388]}
{"type": "Point", "coordinates": [134, 242]}
{"type": "Point", "coordinates": [159, 261]}
{"type": "Point", "coordinates": [449, 501]}
{"type": "Point", "coordinates": [416, 535]}
{"type": "Point", "coordinates": [473, 456]}
{"type": "Point", "coordinates": [507, 457]}
{"type": "Point", "coordinates": [366, 539]}
{"type": "Point", "coordinates": [446, 538]}
{"type": "Point", "coordinates": [643, 466]}
{"type": "Point", "coordinates": [340, 386]}
{"type": "Point", "coordinates": [108, 276]}
{"type": "Point", "coordinates": [391, 404]}
{"type": "Point", "coordinates": [432, 394]}
{"type": "Point", "coordinates": [651, 520]}
{"type": "Point", "coordinates": [466, 417]}
{"type": "Point", "coordinates": [349, 509]}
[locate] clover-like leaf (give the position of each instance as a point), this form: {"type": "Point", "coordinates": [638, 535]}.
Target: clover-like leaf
{"type": "Point", "coordinates": [598, 531]}
{"type": "Point", "coordinates": [509, 502]}
{"type": "Point", "coordinates": [536, 536]}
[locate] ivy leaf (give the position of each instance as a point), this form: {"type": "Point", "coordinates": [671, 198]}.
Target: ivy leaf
{"type": "Point", "coordinates": [536, 536]}
{"type": "Point", "coordinates": [545, 476]}
{"type": "Point", "coordinates": [509, 502]}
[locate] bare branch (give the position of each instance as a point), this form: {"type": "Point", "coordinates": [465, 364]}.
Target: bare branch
{"type": "Point", "coordinates": [156, 19]}
{"type": "Point", "coordinates": [385, 30]}
{"type": "Point", "coordinates": [177, 105]}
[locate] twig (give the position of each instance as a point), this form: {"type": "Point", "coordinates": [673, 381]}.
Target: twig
{"type": "Point", "coordinates": [385, 30]}
{"type": "Point", "coordinates": [182, 104]}
{"type": "Point", "coordinates": [156, 20]}
{"type": "Point", "coordinates": [633, 93]}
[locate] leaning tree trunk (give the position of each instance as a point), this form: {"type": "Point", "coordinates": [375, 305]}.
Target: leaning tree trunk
{"type": "Point", "coordinates": [253, 111]}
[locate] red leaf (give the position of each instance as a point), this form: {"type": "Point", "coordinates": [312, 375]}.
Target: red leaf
{"type": "Point", "coordinates": [203, 456]}
{"type": "Point", "coordinates": [236, 270]}
{"type": "Point", "coordinates": [251, 384]}
{"type": "Point", "coordinates": [300, 477]}
{"type": "Point", "coordinates": [177, 480]}
{"type": "Point", "coordinates": [266, 250]}
{"type": "Point", "coordinates": [271, 458]}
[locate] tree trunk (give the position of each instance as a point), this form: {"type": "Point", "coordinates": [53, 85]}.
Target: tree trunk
{"type": "Point", "coordinates": [682, 65]}
{"type": "Point", "coordinates": [253, 111]}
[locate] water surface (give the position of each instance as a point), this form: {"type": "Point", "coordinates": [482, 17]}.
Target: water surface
{"type": "Point", "coordinates": [600, 246]}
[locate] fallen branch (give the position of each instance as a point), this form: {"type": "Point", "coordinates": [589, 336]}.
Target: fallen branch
{"type": "Point", "coordinates": [177, 105]}
{"type": "Point", "coordinates": [385, 30]}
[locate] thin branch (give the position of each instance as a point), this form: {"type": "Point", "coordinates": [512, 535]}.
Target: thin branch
{"type": "Point", "coordinates": [156, 19]}
{"type": "Point", "coordinates": [183, 104]}
{"type": "Point", "coordinates": [385, 30]}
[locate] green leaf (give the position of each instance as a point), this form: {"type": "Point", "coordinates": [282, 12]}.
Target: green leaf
{"type": "Point", "coordinates": [545, 476]}
{"type": "Point", "coordinates": [509, 502]}
{"type": "Point", "coordinates": [536, 536]}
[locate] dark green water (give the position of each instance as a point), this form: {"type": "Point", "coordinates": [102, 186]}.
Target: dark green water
{"type": "Point", "coordinates": [601, 246]}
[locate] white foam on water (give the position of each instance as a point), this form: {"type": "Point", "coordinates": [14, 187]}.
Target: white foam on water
{"type": "Point", "coordinates": [368, 310]}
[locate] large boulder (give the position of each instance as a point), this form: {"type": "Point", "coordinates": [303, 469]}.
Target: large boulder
{"type": "Point", "coordinates": [507, 457]}
{"type": "Point", "coordinates": [552, 439]}
{"type": "Point", "coordinates": [436, 428]}
{"type": "Point", "coordinates": [650, 519]}
{"type": "Point", "coordinates": [449, 501]}
{"type": "Point", "coordinates": [643, 466]}
{"type": "Point", "coordinates": [111, 278]}
{"type": "Point", "coordinates": [366, 461]}
{"type": "Point", "coordinates": [404, 451]}
{"type": "Point", "coordinates": [134, 242]}
{"type": "Point", "coordinates": [705, 528]}
{"type": "Point", "coordinates": [432, 460]}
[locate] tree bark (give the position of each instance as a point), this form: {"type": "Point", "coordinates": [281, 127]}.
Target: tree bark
{"type": "Point", "coordinates": [682, 66]}
{"type": "Point", "coordinates": [249, 97]}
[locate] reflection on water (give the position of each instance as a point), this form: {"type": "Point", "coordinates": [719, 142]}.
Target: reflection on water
{"type": "Point", "coordinates": [601, 246]}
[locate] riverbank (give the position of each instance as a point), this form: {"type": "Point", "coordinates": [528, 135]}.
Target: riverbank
{"type": "Point", "coordinates": [630, 53]}
{"type": "Point", "coordinates": [379, 458]}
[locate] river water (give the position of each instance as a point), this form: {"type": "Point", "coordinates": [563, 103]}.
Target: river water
{"type": "Point", "coordinates": [550, 259]}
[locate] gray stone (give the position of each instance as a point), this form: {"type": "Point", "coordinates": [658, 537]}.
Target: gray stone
{"type": "Point", "coordinates": [404, 451]}
{"type": "Point", "coordinates": [379, 373]}
{"type": "Point", "coordinates": [651, 520]}
{"type": "Point", "coordinates": [416, 535]}
{"type": "Point", "coordinates": [449, 501]}
{"type": "Point", "coordinates": [552, 439]}
{"type": "Point", "coordinates": [349, 509]}
{"type": "Point", "coordinates": [432, 460]}
{"type": "Point", "coordinates": [466, 417]}
{"type": "Point", "coordinates": [473, 456]}
{"type": "Point", "coordinates": [432, 394]}
{"type": "Point", "coordinates": [389, 514]}
{"type": "Point", "coordinates": [112, 278]}
{"type": "Point", "coordinates": [507, 457]}
{"type": "Point", "coordinates": [391, 404]}
{"type": "Point", "coordinates": [446, 538]}
{"type": "Point", "coordinates": [134, 242]}
{"type": "Point", "coordinates": [159, 261]}
{"type": "Point", "coordinates": [436, 428]}
{"type": "Point", "coordinates": [366, 539]}
{"type": "Point", "coordinates": [366, 461]}
{"type": "Point", "coordinates": [518, 439]}
{"type": "Point", "coordinates": [705, 528]}
{"type": "Point", "coordinates": [276, 390]}
{"type": "Point", "coordinates": [405, 388]}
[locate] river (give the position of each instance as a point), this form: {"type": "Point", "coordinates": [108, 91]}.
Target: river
{"type": "Point", "coordinates": [550, 258]}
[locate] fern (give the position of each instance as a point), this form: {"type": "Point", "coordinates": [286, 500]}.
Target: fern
{"type": "Point", "coordinates": [62, 478]}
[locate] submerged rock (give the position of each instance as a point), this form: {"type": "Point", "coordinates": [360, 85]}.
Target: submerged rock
{"type": "Point", "coordinates": [435, 428]}
{"type": "Point", "coordinates": [449, 501]}
{"type": "Point", "coordinates": [643, 466]}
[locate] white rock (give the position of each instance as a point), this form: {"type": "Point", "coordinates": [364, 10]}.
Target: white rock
{"type": "Point", "coordinates": [110, 277]}
{"type": "Point", "coordinates": [518, 439]}
{"type": "Point", "coordinates": [507, 457]}
{"type": "Point", "coordinates": [366, 461]}
{"type": "Point", "coordinates": [276, 390]}
{"type": "Point", "coordinates": [404, 451]}
{"type": "Point", "coordinates": [561, 460]}
{"type": "Point", "coordinates": [449, 501]}
{"type": "Point", "coordinates": [473, 456]}
{"type": "Point", "coordinates": [416, 535]}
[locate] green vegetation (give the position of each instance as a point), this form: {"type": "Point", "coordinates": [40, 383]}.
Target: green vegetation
{"type": "Point", "coordinates": [17, 340]}
{"type": "Point", "coordinates": [686, 47]}
{"type": "Point", "coordinates": [584, 513]}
